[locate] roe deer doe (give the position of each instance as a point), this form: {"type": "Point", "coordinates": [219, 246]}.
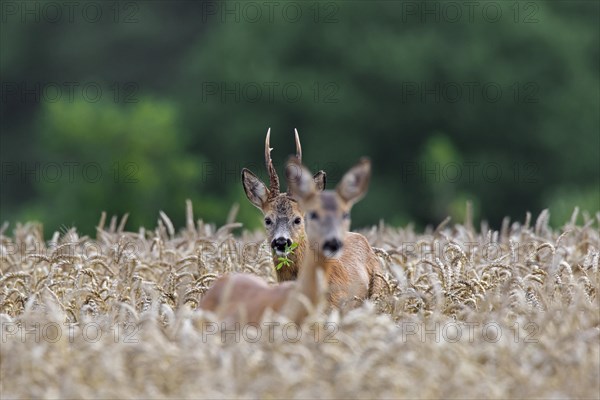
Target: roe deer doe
{"type": "Point", "coordinates": [351, 264]}
{"type": "Point", "coordinates": [245, 297]}
{"type": "Point", "coordinates": [284, 220]}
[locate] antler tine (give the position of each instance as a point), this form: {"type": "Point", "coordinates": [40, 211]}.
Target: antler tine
{"type": "Point", "coordinates": [273, 178]}
{"type": "Point", "coordinates": [298, 147]}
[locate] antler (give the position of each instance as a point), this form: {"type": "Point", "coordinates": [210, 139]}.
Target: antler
{"type": "Point", "coordinates": [273, 178]}
{"type": "Point", "coordinates": [298, 158]}
{"type": "Point", "coordinates": [298, 147]}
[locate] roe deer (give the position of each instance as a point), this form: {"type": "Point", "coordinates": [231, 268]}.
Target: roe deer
{"type": "Point", "coordinates": [351, 264]}
{"type": "Point", "coordinates": [245, 297]}
{"type": "Point", "coordinates": [284, 220]}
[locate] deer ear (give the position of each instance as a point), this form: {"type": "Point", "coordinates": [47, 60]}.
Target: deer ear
{"type": "Point", "coordinates": [256, 191]}
{"type": "Point", "coordinates": [355, 182]}
{"type": "Point", "coordinates": [320, 179]}
{"type": "Point", "coordinates": [300, 181]}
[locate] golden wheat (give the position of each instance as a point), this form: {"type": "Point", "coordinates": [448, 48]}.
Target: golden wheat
{"type": "Point", "coordinates": [466, 313]}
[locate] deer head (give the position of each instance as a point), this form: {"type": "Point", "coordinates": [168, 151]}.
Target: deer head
{"type": "Point", "coordinates": [284, 218]}
{"type": "Point", "coordinates": [328, 211]}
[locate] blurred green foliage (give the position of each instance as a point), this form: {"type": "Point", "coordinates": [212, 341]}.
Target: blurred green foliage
{"type": "Point", "coordinates": [188, 91]}
{"type": "Point", "coordinates": [133, 159]}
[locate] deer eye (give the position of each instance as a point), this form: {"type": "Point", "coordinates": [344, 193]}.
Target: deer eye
{"type": "Point", "coordinates": [298, 220]}
{"type": "Point", "coordinates": [268, 221]}
{"type": "Point", "coordinates": [313, 215]}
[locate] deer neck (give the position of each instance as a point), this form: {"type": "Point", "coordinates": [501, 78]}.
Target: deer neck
{"type": "Point", "coordinates": [290, 273]}
{"type": "Point", "coordinates": [307, 287]}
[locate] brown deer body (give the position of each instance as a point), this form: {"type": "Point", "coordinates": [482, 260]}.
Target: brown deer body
{"type": "Point", "coordinates": [244, 297]}
{"type": "Point", "coordinates": [354, 274]}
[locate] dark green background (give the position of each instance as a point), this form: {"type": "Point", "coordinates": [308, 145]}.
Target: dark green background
{"type": "Point", "coordinates": [377, 78]}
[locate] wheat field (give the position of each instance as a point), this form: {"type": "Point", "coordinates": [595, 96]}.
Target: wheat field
{"type": "Point", "coordinates": [468, 313]}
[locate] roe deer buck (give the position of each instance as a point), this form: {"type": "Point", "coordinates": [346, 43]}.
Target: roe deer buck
{"type": "Point", "coordinates": [245, 297]}
{"type": "Point", "coordinates": [283, 218]}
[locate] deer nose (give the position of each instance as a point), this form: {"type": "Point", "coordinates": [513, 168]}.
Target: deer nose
{"type": "Point", "coordinates": [332, 245]}
{"type": "Point", "coordinates": [281, 243]}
